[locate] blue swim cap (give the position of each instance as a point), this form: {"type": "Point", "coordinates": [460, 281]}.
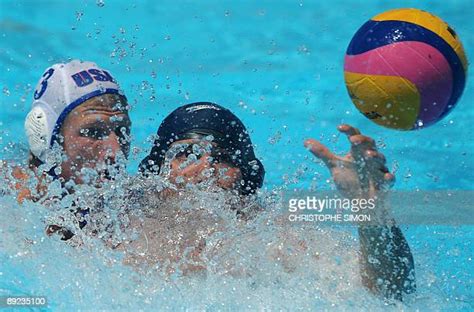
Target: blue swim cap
{"type": "Point", "coordinates": [208, 118]}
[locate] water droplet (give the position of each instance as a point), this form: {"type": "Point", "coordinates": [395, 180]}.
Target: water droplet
{"type": "Point", "coordinates": [303, 49]}
{"type": "Point", "coordinates": [275, 138]}
{"type": "Point", "coordinates": [79, 15]}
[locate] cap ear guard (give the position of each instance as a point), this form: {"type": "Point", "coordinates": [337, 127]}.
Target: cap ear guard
{"type": "Point", "coordinates": [39, 126]}
{"type": "Point", "coordinates": [252, 176]}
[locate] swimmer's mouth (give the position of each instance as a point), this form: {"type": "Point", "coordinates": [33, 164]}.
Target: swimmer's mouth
{"type": "Point", "coordinates": [104, 175]}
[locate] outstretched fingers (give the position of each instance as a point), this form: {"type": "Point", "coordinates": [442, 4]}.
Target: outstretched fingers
{"type": "Point", "coordinates": [321, 151]}
{"type": "Point", "coordinates": [389, 180]}
{"type": "Point", "coordinates": [369, 160]}
{"type": "Point", "coordinates": [348, 130]}
{"type": "Point", "coordinates": [375, 160]}
{"type": "Point", "coordinates": [378, 171]}
{"type": "Point", "coordinates": [360, 144]}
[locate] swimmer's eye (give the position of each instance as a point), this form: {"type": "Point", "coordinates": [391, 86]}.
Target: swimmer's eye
{"type": "Point", "coordinates": [123, 133]}
{"type": "Point", "coordinates": [222, 157]}
{"type": "Point", "coordinates": [184, 153]}
{"type": "Point", "coordinates": [217, 155]}
{"type": "Point", "coordinates": [94, 133]}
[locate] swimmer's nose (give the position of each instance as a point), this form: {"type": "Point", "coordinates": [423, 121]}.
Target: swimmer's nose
{"type": "Point", "coordinates": [112, 147]}
{"type": "Point", "coordinates": [205, 158]}
{"type": "Point", "coordinates": [203, 163]}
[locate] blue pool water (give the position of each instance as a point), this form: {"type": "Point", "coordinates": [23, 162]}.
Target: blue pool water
{"type": "Point", "coordinates": [278, 66]}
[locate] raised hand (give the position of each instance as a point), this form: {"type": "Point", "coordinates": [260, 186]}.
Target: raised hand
{"type": "Point", "coordinates": [362, 171]}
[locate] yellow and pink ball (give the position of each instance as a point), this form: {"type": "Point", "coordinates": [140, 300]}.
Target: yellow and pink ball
{"type": "Point", "coordinates": [405, 69]}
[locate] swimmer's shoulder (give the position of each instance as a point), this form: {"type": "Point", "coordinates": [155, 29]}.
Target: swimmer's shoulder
{"type": "Point", "coordinates": [11, 171]}
{"type": "Point", "coordinates": [17, 177]}
{"type": "Point", "coordinates": [16, 171]}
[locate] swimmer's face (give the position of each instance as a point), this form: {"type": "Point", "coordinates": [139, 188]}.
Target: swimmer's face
{"type": "Point", "coordinates": [209, 162]}
{"type": "Point", "coordinates": [94, 135]}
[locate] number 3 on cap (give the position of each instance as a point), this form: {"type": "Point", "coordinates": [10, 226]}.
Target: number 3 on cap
{"type": "Point", "coordinates": [44, 83]}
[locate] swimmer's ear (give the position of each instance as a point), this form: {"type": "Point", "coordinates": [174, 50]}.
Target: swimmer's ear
{"type": "Point", "coordinates": [321, 151]}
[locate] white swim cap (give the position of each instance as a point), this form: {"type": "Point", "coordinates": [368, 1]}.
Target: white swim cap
{"type": "Point", "coordinates": [62, 88]}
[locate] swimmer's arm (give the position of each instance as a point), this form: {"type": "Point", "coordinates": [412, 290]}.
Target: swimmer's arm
{"type": "Point", "coordinates": [387, 266]}
{"type": "Point", "coordinates": [362, 173]}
